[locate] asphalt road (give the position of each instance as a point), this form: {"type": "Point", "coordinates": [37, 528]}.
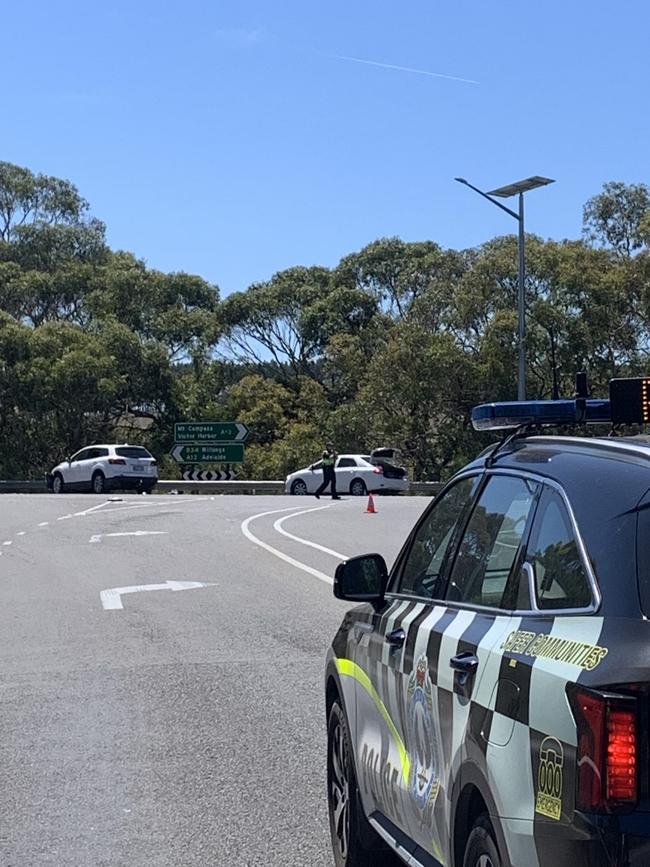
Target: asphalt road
{"type": "Point", "coordinates": [186, 727]}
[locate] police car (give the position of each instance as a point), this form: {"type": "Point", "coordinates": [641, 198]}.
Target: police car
{"type": "Point", "coordinates": [487, 703]}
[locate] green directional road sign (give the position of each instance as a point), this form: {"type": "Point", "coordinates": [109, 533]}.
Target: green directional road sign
{"type": "Point", "coordinates": [210, 432]}
{"type": "Point", "coordinates": [226, 453]}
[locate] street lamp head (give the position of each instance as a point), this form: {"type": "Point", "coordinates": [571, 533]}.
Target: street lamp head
{"type": "Point", "coordinates": [521, 186]}
{"type": "Point", "coordinates": [460, 180]}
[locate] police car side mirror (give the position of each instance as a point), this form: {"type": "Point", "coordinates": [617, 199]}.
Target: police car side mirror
{"type": "Point", "coordinates": [362, 579]}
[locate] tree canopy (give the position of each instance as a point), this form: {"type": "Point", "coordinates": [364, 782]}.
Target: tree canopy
{"type": "Point", "coordinates": [392, 346]}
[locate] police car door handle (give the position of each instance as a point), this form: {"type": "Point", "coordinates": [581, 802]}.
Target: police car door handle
{"type": "Point", "coordinates": [465, 662]}
{"type": "Point", "coordinates": [397, 637]}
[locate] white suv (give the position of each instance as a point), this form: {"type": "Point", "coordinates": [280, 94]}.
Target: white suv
{"type": "Point", "coordinates": [101, 468]}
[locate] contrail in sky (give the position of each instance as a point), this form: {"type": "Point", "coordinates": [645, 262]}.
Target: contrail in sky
{"type": "Point", "coordinates": [405, 69]}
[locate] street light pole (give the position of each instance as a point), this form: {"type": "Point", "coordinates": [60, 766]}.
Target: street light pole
{"type": "Point", "coordinates": [521, 379]}
{"type": "Point", "coordinates": [505, 192]}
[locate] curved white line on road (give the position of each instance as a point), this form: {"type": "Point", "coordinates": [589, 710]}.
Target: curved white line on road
{"type": "Point", "coordinates": [278, 526]}
{"type": "Point", "coordinates": [287, 559]}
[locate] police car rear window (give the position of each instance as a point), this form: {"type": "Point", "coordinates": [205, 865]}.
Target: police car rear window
{"type": "Point", "coordinates": [132, 452]}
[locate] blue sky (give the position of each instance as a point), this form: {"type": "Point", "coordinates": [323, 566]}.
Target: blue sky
{"type": "Point", "coordinates": [232, 140]}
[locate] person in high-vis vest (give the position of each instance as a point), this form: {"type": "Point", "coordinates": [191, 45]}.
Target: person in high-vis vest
{"type": "Point", "coordinates": [328, 460]}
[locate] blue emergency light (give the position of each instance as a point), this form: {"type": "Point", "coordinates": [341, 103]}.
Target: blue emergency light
{"type": "Point", "coordinates": [513, 414]}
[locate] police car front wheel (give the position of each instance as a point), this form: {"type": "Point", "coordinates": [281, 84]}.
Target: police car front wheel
{"type": "Point", "coordinates": [481, 850]}
{"type": "Point", "coordinates": [354, 841]}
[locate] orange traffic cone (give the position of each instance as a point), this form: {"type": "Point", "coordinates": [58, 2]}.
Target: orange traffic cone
{"type": "Point", "coordinates": [370, 509]}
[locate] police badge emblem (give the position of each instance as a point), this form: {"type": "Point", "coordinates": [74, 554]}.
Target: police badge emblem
{"type": "Point", "coordinates": [424, 776]}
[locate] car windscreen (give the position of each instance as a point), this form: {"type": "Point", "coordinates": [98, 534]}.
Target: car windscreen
{"type": "Point", "coordinates": [132, 452]}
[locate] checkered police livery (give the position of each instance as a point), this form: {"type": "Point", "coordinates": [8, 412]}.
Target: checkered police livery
{"type": "Point", "coordinates": [491, 705]}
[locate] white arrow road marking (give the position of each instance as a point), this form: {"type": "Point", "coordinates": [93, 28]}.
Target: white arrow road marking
{"type": "Point", "coordinates": [278, 526]}
{"type": "Point", "coordinates": [92, 509]}
{"type": "Point", "coordinates": [303, 566]}
{"type": "Point", "coordinates": [112, 601]}
{"type": "Point", "coordinates": [99, 536]}
{"type": "Point", "coordinates": [158, 504]}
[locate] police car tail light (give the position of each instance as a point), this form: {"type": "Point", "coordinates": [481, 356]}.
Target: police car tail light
{"type": "Point", "coordinates": [607, 751]}
{"type": "Point", "coordinates": [378, 470]}
{"type": "Point", "coordinates": [621, 755]}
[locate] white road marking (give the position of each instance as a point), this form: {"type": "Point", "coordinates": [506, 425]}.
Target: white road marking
{"type": "Point", "coordinates": [153, 505]}
{"type": "Point", "coordinates": [6, 543]}
{"type": "Point", "coordinates": [112, 601]}
{"type": "Point", "coordinates": [278, 526]}
{"type": "Point", "coordinates": [22, 533]}
{"type": "Point", "coordinates": [64, 517]}
{"type": "Point", "coordinates": [292, 562]}
{"type": "Point", "coordinates": [100, 536]}
{"type": "Point", "coordinates": [43, 523]}
{"type": "Point", "coordinates": [92, 509]}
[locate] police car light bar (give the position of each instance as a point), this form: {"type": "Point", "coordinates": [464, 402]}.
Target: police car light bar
{"type": "Point", "coordinates": [500, 416]}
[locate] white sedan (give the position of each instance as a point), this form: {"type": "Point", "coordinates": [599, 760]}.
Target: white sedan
{"type": "Point", "coordinates": [355, 474]}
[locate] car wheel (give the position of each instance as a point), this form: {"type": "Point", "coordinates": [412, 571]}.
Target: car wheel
{"type": "Point", "coordinates": [358, 488]}
{"type": "Point", "coordinates": [481, 850]}
{"type": "Point", "coordinates": [57, 484]}
{"type": "Point", "coordinates": [299, 488]}
{"type": "Point", "coordinates": [98, 483]}
{"type": "Point", "coordinates": [354, 841]}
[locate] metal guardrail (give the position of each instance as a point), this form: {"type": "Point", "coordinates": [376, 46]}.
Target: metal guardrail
{"type": "Point", "coordinates": [166, 486]}
{"type": "Point", "coordinates": [20, 486]}
{"type": "Point", "coordinates": [429, 489]}
{"type": "Point", "coordinates": [235, 486]}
